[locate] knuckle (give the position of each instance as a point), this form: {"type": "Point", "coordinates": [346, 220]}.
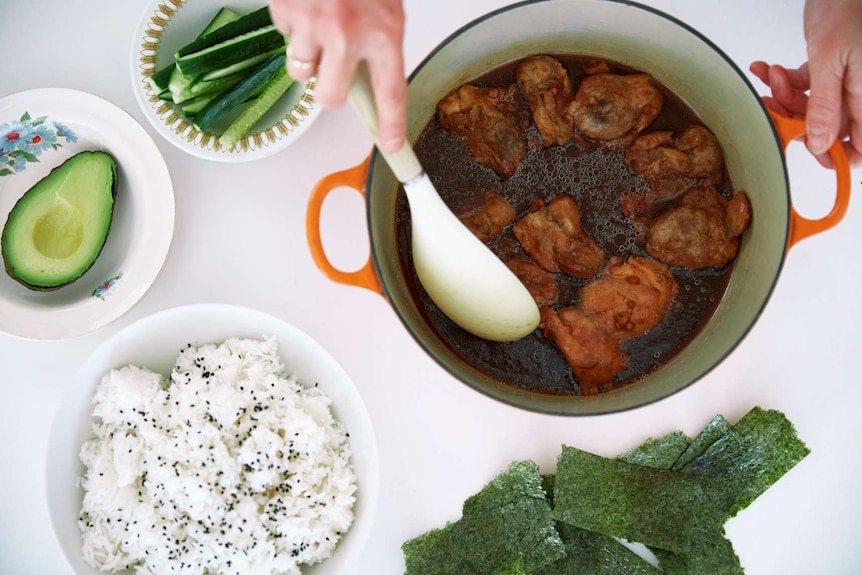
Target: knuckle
{"type": "Point", "coordinates": [328, 96]}
{"type": "Point", "coordinates": [822, 105]}
{"type": "Point", "coordinates": [388, 28]}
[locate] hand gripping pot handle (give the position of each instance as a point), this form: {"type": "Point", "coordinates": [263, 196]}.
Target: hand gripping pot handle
{"type": "Point", "coordinates": [802, 227]}
{"type": "Point", "coordinates": [352, 178]}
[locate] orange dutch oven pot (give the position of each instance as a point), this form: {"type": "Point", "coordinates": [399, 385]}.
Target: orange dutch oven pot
{"type": "Point", "coordinates": [753, 140]}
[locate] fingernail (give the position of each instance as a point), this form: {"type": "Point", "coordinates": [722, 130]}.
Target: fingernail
{"type": "Point", "coordinates": [774, 78]}
{"type": "Point", "coordinates": [392, 145]}
{"type": "Point", "coordinates": [818, 139]}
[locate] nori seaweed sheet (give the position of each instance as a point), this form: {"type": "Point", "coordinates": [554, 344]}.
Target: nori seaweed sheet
{"type": "Point", "coordinates": [505, 529]}
{"type": "Point", "coordinates": [591, 553]}
{"type": "Point", "coordinates": [710, 553]}
{"type": "Point", "coordinates": [737, 464]}
{"type": "Point", "coordinates": [658, 453]}
{"type": "Point", "coordinates": [670, 493]}
{"type": "Point", "coordinates": [548, 487]}
{"type": "Point", "coordinates": [747, 460]}
{"type": "Point", "coordinates": [708, 435]}
{"type": "Point", "coordinates": [637, 503]}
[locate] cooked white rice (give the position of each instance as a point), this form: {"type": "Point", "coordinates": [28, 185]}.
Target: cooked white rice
{"type": "Point", "coordinates": [231, 466]}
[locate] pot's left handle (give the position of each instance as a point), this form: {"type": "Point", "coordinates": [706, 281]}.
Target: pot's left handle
{"type": "Point", "coordinates": [351, 178]}
{"type": "Point", "coordinates": [801, 227]}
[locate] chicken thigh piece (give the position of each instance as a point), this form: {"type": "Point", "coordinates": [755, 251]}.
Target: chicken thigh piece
{"type": "Point", "coordinates": [485, 118]}
{"type": "Point", "coordinates": [738, 214]}
{"type": "Point", "coordinates": [490, 219]}
{"type": "Point", "coordinates": [696, 153]}
{"type": "Point", "coordinates": [594, 355]}
{"type": "Point", "coordinates": [631, 297]}
{"type": "Point", "coordinates": [546, 88]}
{"type": "Point", "coordinates": [552, 235]}
{"type": "Point", "coordinates": [702, 231]}
{"type": "Point", "coordinates": [541, 284]}
{"type": "Point", "coordinates": [615, 108]}
{"type": "Point", "coordinates": [641, 205]}
{"type": "Point", "coordinates": [671, 165]}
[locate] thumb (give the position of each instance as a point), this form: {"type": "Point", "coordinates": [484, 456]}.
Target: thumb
{"type": "Point", "coordinates": [824, 104]}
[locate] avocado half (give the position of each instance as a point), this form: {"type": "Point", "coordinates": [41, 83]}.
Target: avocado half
{"type": "Point", "coordinates": [57, 229]}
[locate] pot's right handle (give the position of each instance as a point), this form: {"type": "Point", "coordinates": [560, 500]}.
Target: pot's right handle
{"type": "Point", "coordinates": [801, 227]}
{"type": "Point", "coordinates": [353, 178]}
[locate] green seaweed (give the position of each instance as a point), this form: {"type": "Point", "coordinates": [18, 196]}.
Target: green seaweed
{"type": "Point", "coordinates": [737, 464]}
{"type": "Point", "coordinates": [516, 568]}
{"type": "Point", "coordinates": [505, 529]}
{"type": "Point", "coordinates": [670, 493]}
{"type": "Point", "coordinates": [431, 548]}
{"type": "Point", "coordinates": [711, 553]}
{"type": "Point", "coordinates": [659, 453]}
{"type": "Point", "coordinates": [637, 503]}
{"type": "Point", "coordinates": [548, 487]}
{"type": "Point", "coordinates": [591, 553]}
{"type": "Point", "coordinates": [708, 435]}
{"type": "Point", "coordinates": [747, 460]}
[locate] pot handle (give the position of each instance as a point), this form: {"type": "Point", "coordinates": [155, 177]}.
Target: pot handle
{"type": "Point", "coordinates": [352, 178]}
{"type": "Point", "coordinates": [802, 227]}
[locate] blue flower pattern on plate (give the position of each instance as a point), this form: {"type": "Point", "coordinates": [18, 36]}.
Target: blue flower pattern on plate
{"type": "Point", "coordinates": [18, 163]}
{"type": "Point", "coordinates": [42, 138]}
{"type": "Point", "coordinates": [64, 132]}
{"type": "Point", "coordinates": [105, 288]}
{"type": "Point", "coordinates": [13, 137]}
{"type": "Point", "coordinates": [22, 141]}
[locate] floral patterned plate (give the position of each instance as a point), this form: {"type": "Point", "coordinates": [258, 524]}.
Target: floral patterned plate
{"type": "Point", "coordinates": [39, 130]}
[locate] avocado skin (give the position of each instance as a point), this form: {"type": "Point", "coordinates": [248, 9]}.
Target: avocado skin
{"type": "Point", "coordinates": [10, 271]}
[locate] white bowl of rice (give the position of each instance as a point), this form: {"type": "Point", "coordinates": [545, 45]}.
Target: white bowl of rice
{"type": "Point", "coordinates": [212, 439]}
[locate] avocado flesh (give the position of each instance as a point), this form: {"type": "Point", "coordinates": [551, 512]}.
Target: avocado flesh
{"type": "Point", "coordinates": [58, 228]}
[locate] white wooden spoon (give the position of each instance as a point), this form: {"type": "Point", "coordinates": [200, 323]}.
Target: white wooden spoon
{"type": "Point", "coordinates": [461, 275]}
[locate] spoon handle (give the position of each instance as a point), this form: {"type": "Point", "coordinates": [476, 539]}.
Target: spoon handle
{"type": "Point", "coordinates": [404, 163]}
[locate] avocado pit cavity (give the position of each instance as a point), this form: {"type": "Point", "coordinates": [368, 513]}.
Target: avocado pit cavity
{"type": "Point", "coordinates": [59, 232]}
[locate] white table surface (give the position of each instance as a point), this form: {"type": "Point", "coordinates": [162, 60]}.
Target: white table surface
{"type": "Point", "coordinates": [240, 239]}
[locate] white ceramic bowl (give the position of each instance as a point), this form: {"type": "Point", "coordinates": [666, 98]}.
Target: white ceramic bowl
{"type": "Point", "coordinates": [62, 123]}
{"type": "Point", "coordinates": [168, 25]}
{"type": "Point", "coordinates": [154, 342]}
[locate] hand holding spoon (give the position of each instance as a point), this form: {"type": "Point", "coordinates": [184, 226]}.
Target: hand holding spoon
{"type": "Point", "coordinates": [460, 274]}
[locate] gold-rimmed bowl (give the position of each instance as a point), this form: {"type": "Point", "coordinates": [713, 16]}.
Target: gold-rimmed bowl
{"type": "Point", "coordinates": [165, 27]}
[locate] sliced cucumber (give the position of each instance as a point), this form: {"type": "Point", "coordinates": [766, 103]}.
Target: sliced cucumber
{"type": "Point", "coordinates": [180, 85]}
{"type": "Point", "coordinates": [245, 65]}
{"type": "Point", "coordinates": [245, 24]}
{"type": "Point", "coordinates": [200, 88]}
{"type": "Point", "coordinates": [232, 51]}
{"type": "Point", "coordinates": [192, 107]}
{"type": "Point", "coordinates": [240, 127]}
{"type": "Point", "coordinates": [160, 81]}
{"type": "Point", "coordinates": [236, 95]}
{"type": "Point", "coordinates": [260, 90]}
{"type": "Point", "coordinates": [222, 18]}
